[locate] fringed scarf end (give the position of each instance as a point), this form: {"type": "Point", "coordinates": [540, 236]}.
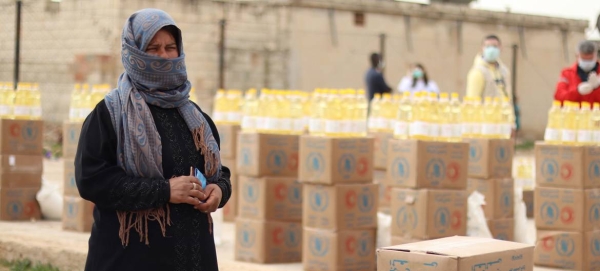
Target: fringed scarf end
{"type": "Point", "coordinates": [139, 221]}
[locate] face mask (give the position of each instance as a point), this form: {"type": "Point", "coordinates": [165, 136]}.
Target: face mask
{"type": "Point", "coordinates": [417, 73]}
{"type": "Point", "coordinates": [491, 53]}
{"type": "Point", "coordinates": [381, 65]}
{"type": "Point", "coordinates": [587, 65]}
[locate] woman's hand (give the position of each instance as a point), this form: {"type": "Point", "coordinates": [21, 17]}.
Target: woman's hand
{"type": "Point", "coordinates": [186, 189]}
{"type": "Point", "coordinates": [214, 195]}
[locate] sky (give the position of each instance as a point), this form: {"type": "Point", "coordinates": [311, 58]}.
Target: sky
{"type": "Point", "coordinates": [575, 9]}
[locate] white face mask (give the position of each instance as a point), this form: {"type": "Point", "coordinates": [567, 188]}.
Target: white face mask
{"type": "Point", "coordinates": [587, 65]}
{"type": "Point", "coordinates": [491, 54]}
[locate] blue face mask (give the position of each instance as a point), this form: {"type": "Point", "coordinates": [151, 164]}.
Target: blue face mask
{"type": "Point", "coordinates": [491, 54]}
{"type": "Point", "coordinates": [418, 73]}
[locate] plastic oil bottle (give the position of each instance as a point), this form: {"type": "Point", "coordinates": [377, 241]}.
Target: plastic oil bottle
{"type": "Point", "coordinates": [218, 111]}
{"type": "Point", "coordinates": [75, 102]}
{"type": "Point", "coordinates": [403, 117]}
{"type": "Point", "coordinates": [35, 97]}
{"type": "Point", "coordinates": [333, 115]}
{"type": "Point", "coordinates": [386, 112]}
{"type": "Point", "coordinates": [6, 92]}
{"type": "Point", "coordinates": [584, 127]}
{"type": "Point", "coordinates": [434, 116]}
{"type": "Point", "coordinates": [507, 114]}
{"type": "Point", "coordinates": [249, 111]}
{"type": "Point", "coordinates": [362, 112]}
{"type": "Point", "coordinates": [477, 122]}
{"type": "Point", "coordinates": [569, 127]}
{"type": "Point", "coordinates": [375, 114]}
{"type": "Point", "coordinates": [349, 113]}
{"type": "Point", "coordinates": [489, 124]}
{"type": "Point", "coordinates": [596, 123]}
{"type": "Point", "coordinates": [445, 118]}
{"type": "Point", "coordinates": [419, 127]}
{"type": "Point", "coordinates": [314, 123]}
{"type": "Point", "coordinates": [467, 117]}
{"type": "Point", "coordinates": [553, 132]}
{"type": "Point", "coordinates": [21, 107]}
{"type": "Point", "coordinates": [86, 102]}
{"type": "Point", "coordinates": [455, 117]}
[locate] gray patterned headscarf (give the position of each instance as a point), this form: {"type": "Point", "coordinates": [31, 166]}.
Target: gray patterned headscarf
{"type": "Point", "coordinates": [161, 82]}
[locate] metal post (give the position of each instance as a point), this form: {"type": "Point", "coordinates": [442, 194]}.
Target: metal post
{"type": "Point", "coordinates": [382, 48]}
{"type": "Point", "coordinates": [17, 43]}
{"type": "Point", "coordinates": [222, 24]}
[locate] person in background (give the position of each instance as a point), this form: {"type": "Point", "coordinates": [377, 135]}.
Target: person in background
{"type": "Point", "coordinates": [579, 82]}
{"type": "Point", "coordinates": [489, 76]}
{"type": "Point", "coordinates": [374, 78]}
{"type": "Point", "coordinates": [417, 80]}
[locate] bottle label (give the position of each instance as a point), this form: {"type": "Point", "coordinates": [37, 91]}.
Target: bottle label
{"type": "Point", "coordinates": [332, 126]}
{"type": "Point", "coordinates": [457, 130]}
{"type": "Point", "coordinates": [447, 130]}
{"type": "Point", "coordinates": [218, 116]}
{"type": "Point", "coordinates": [315, 125]}
{"type": "Point", "coordinates": [401, 129]}
{"type": "Point", "coordinates": [434, 130]}
{"type": "Point", "coordinates": [298, 126]}
{"type": "Point", "coordinates": [22, 111]}
{"type": "Point", "coordinates": [73, 113]}
{"type": "Point", "coordinates": [4, 110]}
{"type": "Point", "coordinates": [346, 126]}
{"type": "Point", "coordinates": [466, 128]}
{"type": "Point", "coordinates": [569, 135]}
{"type": "Point", "coordinates": [419, 128]}
{"type": "Point", "coordinates": [384, 124]}
{"type": "Point", "coordinates": [36, 111]}
{"type": "Point", "coordinates": [235, 117]}
{"type": "Point", "coordinates": [260, 123]}
{"type": "Point", "coordinates": [476, 128]}
{"type": "Point", "coordinates": [596, 136]}
{"type": "Point", "coordinates": [285, 124]}
{"type": "Point", "coordinates": [584, 136]}
{"type": "Point", "coordinates": [248, 123]}
{"type": "Point", "coordinates": [489, 129]}
{"type": "Point", "coordinates": [507, 130]}
{"type": "Point", "coordinates": [552, 134]}
{"type": "Point", "coordinates": [271, 124]}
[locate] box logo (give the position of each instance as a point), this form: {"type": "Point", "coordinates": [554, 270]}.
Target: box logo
{"type": "Point", "coordinates": [319, 246]}
{"type": "Point", "coordinates": [346, 165]}
{"type": "Point", "coordinates": [367, 201]}
{"type": "Point", "coordinates": [291, 238]}
{"type": "Point", "coordinates": [72, 136]}
{"type": "Point", "coordinates": [72, 179]}
{"type": "Point", "coordinates": [295, 196]}
{"type": "Point", "coordinates": [400, 169]}
{"type": "Point", "coordinates": [250, 192]}
{"type": "Point", "coordinates": [594, 171]}
{"type": "Point", "coordinates": [502, 154]}
{"type": "Point", "coordinates": [453, 171]}
{"type": "Point", "coordinates": [406, 218]}
{"type": "Point", "coordinates": [549, 212]}
{"type": "Point", "coordinates": [72, 209]}
{"type": "Point", "coordinates": [319, 200]}
{"type": "Point", "coordinates": [501, 236]}
{"type": "Point", "coordinates": [276, 160]}
{"type": "Point", "coordinates": [506, 199]}
{"type": "Point", "coordinates": [549, 168]}
{"type": "Point", "coordinates": [548, 243]}
{"type": "Point", "coordinates": [247, 236]}
{"type": "Point", "coordinates": [566, 171]}
{"type": "Point", "coordinates": [315, 163]}
{"type": "Point", "coordinates": [245, 161]}
{"type": "Point", "coordinates": [435, 171]}
{"type": "Point", "coordinates": [351, 199]}
{"type": "Point", "coordinates": [278, 236]}
{"type": "Point", "coordinates": [565, 246]}
{"type": "Point", "coordinates": [293, 161]}
{"type": "Point", "coordinates": [280, 192]}
{"type": "Point", "coordinates": [351, 245]}
{"type": "Point", "coordinates": [594, 214]}
{"type": "Point", "coordinates": [364, 249]}
{"type": "Point", "coordinates": [595, 246]}
{"type": "Point", "coordinates": [474, 152]}
{"type": "Point", "coordinates": [442, 215]}
{"type": "Point", "coordinates": [27, 132]}
{"type": "Point", "coordinates": [363, 166]}
{"type": "Point", "coordinates": [457, 220]}
{"type": "Point", "coordinates": [14, 209]}
{"type": "Point", "coordinates": [567, 215]}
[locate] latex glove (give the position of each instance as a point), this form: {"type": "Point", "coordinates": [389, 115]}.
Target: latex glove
{"type": "Point", "coordinates": [594, 80]}
{"type": "Point", "coordinates": [585, 88]}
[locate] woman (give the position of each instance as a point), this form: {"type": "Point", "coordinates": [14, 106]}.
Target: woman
{"type": "Point", "coordinates": [417, 81]}
{"type": "Point", "coordinates": [134, 159]}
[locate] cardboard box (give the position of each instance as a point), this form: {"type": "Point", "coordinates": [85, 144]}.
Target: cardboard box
{"type": "Point", "coordinates": [502, 229]}
{"type": "Point", "coordinates": [71, 133]}
{"type": "Point", "coordinates": [381, 140]}
{"type": "Point", "coordinates": [228, 136]}
{"type": "Point", "coordinates": [528, 200]}
{"type": "Point", "coordinates": [569, 250]}
{"type": "Point", "coordinates": [267, 155]}
{"type": "Point", "coordinates": [10, 163]}
{"type": "Point", "coordinates": [338, 251]}
{"type": "Point", "coordinates": [21, 137]}
{"type": "Point", "coordinates": [499, 196]}
{"type": "Point", "coordinates": [490, 158]}
{"type": "Point", "coordinates": [268, 241]}
{"type": "Point", "coordinates": [567, 209]}
{"type": "Point", "coordinates": [458, 253]}
{"type": "Point", "coordinates": [427, 164]}
{"type": "Point", "coordinates": [385, 190]}
{"type": "Point", "coordinates": [19, 204]}
{"type": "Point", "coordinates": [567, 166]}
{"type": "Point", "coordinates": [269, 198]}
{"type": "Point", "coordinates": [69, 184]}
{"type": "Point", "coordinates": [21, 180]}
{"type": "Point", "coordinates": [330, 160]}
{"type": "Point", "coordinates": [230, 209]}
{"type": "Point", "coordinates": [78, 214]}
{"type": "Point", "coordinates": [340, 207]}
{"type": "Point", "coordinates": [428, 214]}
{"type": "Point", "coordinates": [399, 240]}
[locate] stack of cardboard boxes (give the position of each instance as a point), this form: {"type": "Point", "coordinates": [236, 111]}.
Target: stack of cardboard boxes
{"type": "Point", "coordinates": [268, 226]}
{"type": "Point", "coordinates": [429, 198]}
{"type": "Point", "coordinates": [228, 138]}
{"type": "Point", "coordinates": [20, 169]}
{"type": "Point", "coordinates": [381, 141]}
{"type": "Point", "coordinates": [78, 214]}
{"type": "Point", "coordinates": [567, 206]}
{"type": "Point", "coordinates": [340, 203]}
{"type": "Point", "coordinates": [490, 173]}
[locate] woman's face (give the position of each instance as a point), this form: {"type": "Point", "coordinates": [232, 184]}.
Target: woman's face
{"type": "Point", "coordinates": [163, 45]}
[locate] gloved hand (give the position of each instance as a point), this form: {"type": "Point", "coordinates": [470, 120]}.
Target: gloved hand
{"type": "Point", "coordinates": [585, 88]}
{"type": "Point", "coordinates": [594, 80]}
